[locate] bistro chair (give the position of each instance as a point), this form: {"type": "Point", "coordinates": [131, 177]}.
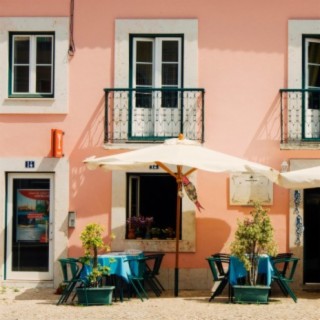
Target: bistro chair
{"type": "Point", "coordinates": [284, 266]}
{"type": "Point", "coordinates": [153, 264]}
{"type": "Point", "coordinates": [283, 279]}
{"type": "Point", "coordinates": [136, 277]}
{"type": "Point", "coordinates": [121, 286]}
{"type": "Point", "coordinates": [219, 266]}
{"type": "Point", "coordinates": [71, 271]}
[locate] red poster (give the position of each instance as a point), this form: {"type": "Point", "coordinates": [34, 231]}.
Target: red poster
{"type": "Point", "coordinates": [32, 215]}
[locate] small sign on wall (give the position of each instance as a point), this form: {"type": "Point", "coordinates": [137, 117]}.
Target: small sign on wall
{"type": "Point", "coordinates": [247, 188]}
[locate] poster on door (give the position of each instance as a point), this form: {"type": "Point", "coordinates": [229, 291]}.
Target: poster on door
{"type": "Point", "coordinates": [32, 215]}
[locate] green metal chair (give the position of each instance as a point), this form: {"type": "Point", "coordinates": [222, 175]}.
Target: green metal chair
{"type": "Point", "coordinates": [136, 277]}
{"type": "Point", "coordinates": [219, 266]}
{"type": "Point", "coordinates": [153, 264]}
{"type": "Point", "coordinates": [284, 266]}
{"type": "Point", "coordinates": [71, 271]}
{"type": "Point", "coordinates": [284, 269]}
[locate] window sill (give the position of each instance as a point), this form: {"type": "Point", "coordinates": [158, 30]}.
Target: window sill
{"type": "Point", "coordinates": [29, 99]}
{"type": "Point", "coordinates": [302, 145]}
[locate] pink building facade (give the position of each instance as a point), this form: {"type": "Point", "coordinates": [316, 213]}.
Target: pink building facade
{"type": "Point", "coordinates": [241, 77]}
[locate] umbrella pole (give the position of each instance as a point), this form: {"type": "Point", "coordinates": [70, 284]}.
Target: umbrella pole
{"type": "Point", "coordinates": [178, 219]}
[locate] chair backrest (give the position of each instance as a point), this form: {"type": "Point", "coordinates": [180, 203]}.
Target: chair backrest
{"type": "Point", "coordinates": [70, 268]}
{"type": "Point", "coordinates": [222, 261]}
{"type": "Point", "coordinates": [213, 268]}
{"type": "Point", "coordinates": [291, 265]}
{"type": "Point", "coordinates": [156, 258]}
{"type": "Point", "coordinates": [283, 267]}
{"type": "Point", "coordinates": [137, 266]}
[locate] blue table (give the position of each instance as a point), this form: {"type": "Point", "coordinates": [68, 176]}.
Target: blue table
{"type": "Point", "coordinates": [237, 270]}
{"type": "Point", "coordinates": [116, 262]}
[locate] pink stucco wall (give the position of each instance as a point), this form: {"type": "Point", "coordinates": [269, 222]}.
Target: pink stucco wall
{"type": "Point", "coordinates": [242, 65]}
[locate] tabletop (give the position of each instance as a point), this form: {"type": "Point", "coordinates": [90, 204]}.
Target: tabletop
{"type": "Point", "coordinates": [117, 263]}
{"type": "Point", "coordinates": [237, 270]}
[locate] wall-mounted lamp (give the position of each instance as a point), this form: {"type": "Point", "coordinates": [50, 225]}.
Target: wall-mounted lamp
{"type": "Point", "coordinates": [284, 166]}
{"type": "Point", "coordinates": [72, 219]}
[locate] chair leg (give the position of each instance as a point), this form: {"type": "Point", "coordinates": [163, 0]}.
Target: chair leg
{"type": "Point", "coordinates": [136, 289]}
{"type": "Point", "coordinates": [288, 290]}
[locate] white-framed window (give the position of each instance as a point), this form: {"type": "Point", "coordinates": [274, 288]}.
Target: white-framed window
{"type": "Point", "coordinates": [157, 63]}
{"type": "Point", "coordinates": [156, 75]}
{"type": "Point", "coordinates": [34, 65]}
{"type": "Point", "coordinates": [31, 64]}
{"type": "Point", "coordinates": [311, 78]}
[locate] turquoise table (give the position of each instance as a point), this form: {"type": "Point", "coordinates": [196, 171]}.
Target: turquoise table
{"type": "Point", "coordinates": [117, 263]}
{"type": "Point", "coordinates": [237, 270]}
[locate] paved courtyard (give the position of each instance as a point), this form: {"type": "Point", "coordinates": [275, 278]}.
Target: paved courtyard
{"type": "Point", "coordinates": [25, 304]}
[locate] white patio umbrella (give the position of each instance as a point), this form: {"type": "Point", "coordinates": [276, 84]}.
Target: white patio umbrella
{"type": "Point", "coordinates": [300, 179]}
{"type": "Point", "coordinates": [179, 157]}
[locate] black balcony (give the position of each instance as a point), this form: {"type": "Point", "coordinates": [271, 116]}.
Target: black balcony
{"type": "Point", "coordinates": [300, 116]}
{"type": "Point", "coordinates": [152, 115]}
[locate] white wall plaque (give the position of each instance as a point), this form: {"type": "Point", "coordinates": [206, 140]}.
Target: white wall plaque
{"type": "Point", "coordinates": [247, 188]}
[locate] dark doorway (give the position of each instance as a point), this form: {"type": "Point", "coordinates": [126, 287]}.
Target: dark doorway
{"type": "Point", "coordinates": [311, 232]}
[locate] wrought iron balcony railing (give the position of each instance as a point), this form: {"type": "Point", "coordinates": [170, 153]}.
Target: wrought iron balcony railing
{"type": "Point", "coordinates": [300, 115]}
{"type": "Point", "coordinates": [149, 114]}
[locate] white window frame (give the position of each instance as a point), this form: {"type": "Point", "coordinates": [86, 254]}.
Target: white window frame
{"type": "Point", "coordinates": [307, 63]}
{"type": "Point", "coordinates": [157, 60]}
{"type": "Point", "coordinates": [32, 64]}
{"type": "Point", "coordinates": [34, 105]}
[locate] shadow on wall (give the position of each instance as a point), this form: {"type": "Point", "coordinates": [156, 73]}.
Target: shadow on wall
{"type": "Point", "coordinates": [214, 233]}
{"type": "Point", "coordinates": [264, 145]}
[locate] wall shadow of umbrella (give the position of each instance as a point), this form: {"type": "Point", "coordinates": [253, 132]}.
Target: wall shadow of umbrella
{"type": "Point", "coordinates": [179, 157]}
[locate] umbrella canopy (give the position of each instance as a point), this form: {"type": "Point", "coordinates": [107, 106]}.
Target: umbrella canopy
{"type": "Point", "coordinates": [179, 157]}
{"type": "Point", "coordinates": [300, 179]}
{"type": "Point", "coordinates": [180, 152]}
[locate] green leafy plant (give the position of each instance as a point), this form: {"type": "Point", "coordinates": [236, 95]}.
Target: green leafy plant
{"type": "Point", "coordinates": [93, 243]}
{"type": "Point", "coordinates": [254, 236]}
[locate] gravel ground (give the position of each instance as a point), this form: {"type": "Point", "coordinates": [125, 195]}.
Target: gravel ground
{"type": "Point", "coordinates": [25, 304]}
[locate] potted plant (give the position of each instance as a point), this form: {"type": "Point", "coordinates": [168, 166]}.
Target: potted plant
{"type": "Point", "coordinates": [93, 243]}
{"type": "Point", "coordinates": [155, 232]}
{"type": "Point", "coordinates": [140, 225]}
{"type": "Point", "coordinates": [253, 237]}
{"type": "Point", "coordinates": [168, 233]}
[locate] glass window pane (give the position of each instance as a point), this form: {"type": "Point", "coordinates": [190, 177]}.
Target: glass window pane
{"type": "Point", "coordinates": [314, 100]}
{"type": "Point", "coordinates": [314, 76]}
{"type": "Point", "coordinates": [144, 74]}
{"type": "Point", "coordinates": [170, 51]}
{"type": "Point", "coordinates": [169, 99]}
{"type": "Point", "coordinates": [31, 210]}
{"type": "Point", "coordinates": [143, 99]}
{"type": "Point", "coordinates": [314, 52]}
{"type": "Point", "coordinates": [44, 50]}
{"type": "Point", "coordinates": [43, 80]}
{"type": "Point", "coordinates": [144, 51]}
{"type": "Point", "coordinates": [21, 79]}
{"type": "Point", "coordinates": [21, 50]}
{"type": "Point", "coordinates": [169, 74]}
